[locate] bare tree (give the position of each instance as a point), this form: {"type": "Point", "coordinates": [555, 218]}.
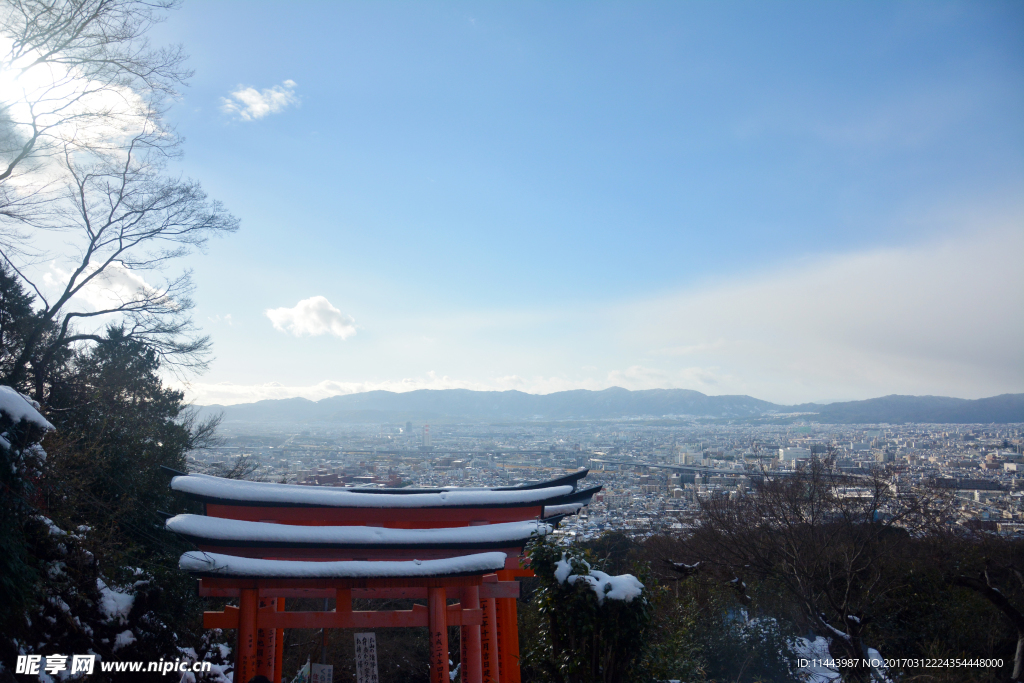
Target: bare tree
{"type": "Point", "coordinates": [75, 71]}
{"type": "Point", "coordinates": [832, 542]}
{"type": "Point", "coordinates": [84, 150]}
{"type": "Point", "coordinates": [245, 466]}
{"type": "Point", "coordinates": [124, 218]}
{"type": "Point", "coordinates": [999, 579]}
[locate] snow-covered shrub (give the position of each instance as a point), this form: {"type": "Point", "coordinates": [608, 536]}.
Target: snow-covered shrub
{"type": "Point", "coordinates": [593, 625]}
{"type": "Point", "coordinates": [21, 462]}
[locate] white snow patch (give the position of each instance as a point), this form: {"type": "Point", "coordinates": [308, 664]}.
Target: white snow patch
{"type": "Point", "coordinates": [811, 650]}
{"type": "Point", "coordinates": [563, 568]}
{"type": "Point", "coordinates": [114, 604]}
{"type": "Point", "coordinates": [623, 587]}
{"type": "Point", "coordinates": [20, 407]}
{"type": "Point", "coordinates": [881, 672]}
{"type": "Point", "coordinates": [567, 509]}
{"type": "Point", "coordinates": [265, 492]}
{"type": "Point", "coordinates": [237, 530]}
{"type": "Point", "coordinates": [229, 565]}
{"type": "Point", "coordinates": [59, 603]}
{"type": "Point", "coordinates": [123, 639]}
{"type": "Point", "coordinates": [54, 529]}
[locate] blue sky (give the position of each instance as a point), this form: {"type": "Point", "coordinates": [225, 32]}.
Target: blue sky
{"type": "Point", "coordinates": [799, 201]}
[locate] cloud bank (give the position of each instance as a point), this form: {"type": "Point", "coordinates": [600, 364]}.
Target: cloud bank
{"type": "Point", "coordinates": [941, 318]}
{"type": "Point", "coordinates": [249, 104]}
{"type": "Point", "coordinates": [312, 317]}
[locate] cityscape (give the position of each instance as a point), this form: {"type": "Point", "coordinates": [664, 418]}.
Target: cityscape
{"type": "Point", "coordinates": [653, 473]}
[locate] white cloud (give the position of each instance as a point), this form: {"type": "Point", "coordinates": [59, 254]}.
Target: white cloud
{"type": "Point", "coordinates": [114, 287]}
{"type": "Point", "coordinates": [250, 104]}
{"type": "Point", "coordinates": [312, 317]}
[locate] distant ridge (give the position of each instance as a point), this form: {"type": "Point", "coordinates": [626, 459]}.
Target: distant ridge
{"type": "Point", "coordinates": [428, 405]}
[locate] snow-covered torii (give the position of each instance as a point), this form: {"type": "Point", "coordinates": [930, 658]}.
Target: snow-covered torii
{"type": "Point", "coordinates": [264, 543]}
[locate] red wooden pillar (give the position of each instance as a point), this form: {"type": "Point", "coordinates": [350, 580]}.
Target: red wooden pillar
{"type": "Point", "coordinates": [508, 634]}
{"type": "Point", "coordinates": [437, 619]}
{"type": "Point", "coordinates": [279, 648]}
{"type": "Point", "coordinates": [472, 667]}
{"type": "Point", "coordinates": [489, 642]}
{"type": "Point", "coordinates": [266, 642]}
{"type": "Point", "coordinates": [245, 652]}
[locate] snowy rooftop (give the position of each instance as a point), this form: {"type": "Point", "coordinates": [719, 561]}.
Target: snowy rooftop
{"type": "Point", "coordinates": [213, 564]}
{"type": "Point", "coordinates": [264, 493]}
{"type": "Point", "coordinates": [216, 528]}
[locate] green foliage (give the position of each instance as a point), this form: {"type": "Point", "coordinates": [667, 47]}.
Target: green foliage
{"type": "Point", "coordinates": [116, 425]}
{"type": "Point", "coordinates": [16, 319]}
{"type": "Point", "coordinates": [580, 640]}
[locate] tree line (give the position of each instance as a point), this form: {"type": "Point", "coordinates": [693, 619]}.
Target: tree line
{"type": "Point", "coordinates": [818, 564]}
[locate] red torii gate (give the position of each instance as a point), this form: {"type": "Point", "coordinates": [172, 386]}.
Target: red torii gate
{"type": "Point", "coordinates": [255, 544]}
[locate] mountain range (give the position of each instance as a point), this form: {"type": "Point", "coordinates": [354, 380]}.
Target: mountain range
{"type": "Point", "coordinates": [448, 405]}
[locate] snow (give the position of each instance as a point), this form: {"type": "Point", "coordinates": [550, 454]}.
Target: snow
{"type": "Point", "coordinates": [265, 492]}
{"type": "Point", "coordinates": [881, 672]}
{"type": "Point", "coordinates": [623, 587]}
{"type": "Point", "coordinates": [229, 565]}
{"type": "Point", "coordinates": [567, 509]}
{"type": "Point", "coordinates": [114, 604]}
{"type": "Point", "coordinates": [836, 632]}
{"type": "Point", "coordinates": [20, 407]}
{"type": "Point", "coordinates": [563, 568]}
{"type": "Point", "coordinates": [237, 530]}
{"type": "Point", "coordinates": [123, 639]}
{"type": "Point", "coordinates": [53, 528]}
{"type": "Point", "coordinates": [811, 650]}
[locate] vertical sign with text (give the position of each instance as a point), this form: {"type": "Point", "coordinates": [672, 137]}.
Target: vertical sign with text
{"type": "Point", "coordinates": [366, 658]}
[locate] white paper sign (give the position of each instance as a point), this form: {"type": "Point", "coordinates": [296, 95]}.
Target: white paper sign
{"type": "Point", "coordinates": [322, 673]}
{"type": "Point", "coordinates": [366, 658]}
{"type": "Point", "coordinates": [303, 674]}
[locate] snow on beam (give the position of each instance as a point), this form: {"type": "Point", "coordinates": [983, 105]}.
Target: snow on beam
{"type": "Point", "coordinates": [497, 589]}
{"type": "Point", "coordinates": [236, 492]}
{"type": "Point", "coordinates": [215, 564]}
{"type": "Point", "coordinates": [199, 528]}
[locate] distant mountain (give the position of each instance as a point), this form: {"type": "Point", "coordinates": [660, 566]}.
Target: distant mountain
{"type": "Point", "coordinates": [896, 409]}
{"type": "Point", "coordinates": [428, 405]}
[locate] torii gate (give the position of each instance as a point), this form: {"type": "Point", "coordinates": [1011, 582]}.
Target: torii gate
{"type": "Point", "coordinates": [264, 543]}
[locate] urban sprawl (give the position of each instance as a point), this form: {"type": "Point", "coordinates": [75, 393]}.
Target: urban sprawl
{"type": "Point", "coordinates": [654, 472]}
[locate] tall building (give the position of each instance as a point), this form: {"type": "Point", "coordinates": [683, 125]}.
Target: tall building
{"type": "Point", "coordinates": [426, 436]}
